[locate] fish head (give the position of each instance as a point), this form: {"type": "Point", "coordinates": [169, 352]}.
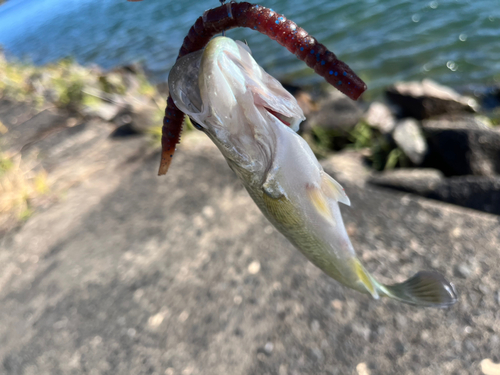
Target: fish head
{"type": "Point", "coordinates": [234, 101]}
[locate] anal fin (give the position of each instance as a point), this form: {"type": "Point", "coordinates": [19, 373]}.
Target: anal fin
{"type": "Point", "coordinates": [365, 279]}
{"type": "Point", "coordinates": [332, 189]}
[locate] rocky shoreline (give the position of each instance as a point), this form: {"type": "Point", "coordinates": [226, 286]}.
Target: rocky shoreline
{"type": "Point", "coordinates": [50, 115]}
{"type": "Point", "coordinates": [422, 138]}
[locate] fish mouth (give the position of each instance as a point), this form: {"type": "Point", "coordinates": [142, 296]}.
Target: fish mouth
{"type": "Point", "coordinates": [281, 117]}
{"type": "Point", "coordinates": [222, 80]}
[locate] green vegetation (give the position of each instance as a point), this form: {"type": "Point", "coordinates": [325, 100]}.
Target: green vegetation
{"type": "Point", "coordinates": [383, 153]}
{"type": "Point", "coordinates": [5, 164]}
{"type": "Point", "coordinates": [79, 92]}
{"type": "Point", "coordinates": [58, 84]}
{"type": "Point", "coordinates": [67, 85]}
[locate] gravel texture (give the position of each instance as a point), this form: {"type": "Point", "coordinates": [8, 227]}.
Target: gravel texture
{"type": "Point", "coordinates": [136, 274]}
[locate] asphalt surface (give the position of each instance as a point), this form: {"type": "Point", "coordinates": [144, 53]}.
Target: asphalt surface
{"type": "Point", "coordinates": [131, 273]}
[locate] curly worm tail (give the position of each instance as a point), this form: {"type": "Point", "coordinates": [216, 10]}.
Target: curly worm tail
{"type": "Point", "coordinates": [275, 26]}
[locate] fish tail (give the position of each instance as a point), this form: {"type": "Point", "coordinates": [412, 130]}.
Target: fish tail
{"type": "Point", "coordinates": [426, 288]}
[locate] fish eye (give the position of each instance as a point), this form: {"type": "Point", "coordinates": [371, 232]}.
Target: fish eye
{"type": "Point", "coordinates": [196, 125]}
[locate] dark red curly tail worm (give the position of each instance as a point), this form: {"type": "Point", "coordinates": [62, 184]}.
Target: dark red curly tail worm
{"type": "Point", "coordinates": [276, 27]}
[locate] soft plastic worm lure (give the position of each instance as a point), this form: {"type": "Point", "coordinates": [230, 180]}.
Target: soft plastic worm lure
{"type": "Point", "coordinates": [276, 27]}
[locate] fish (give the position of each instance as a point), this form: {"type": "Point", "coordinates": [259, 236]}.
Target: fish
{"type": "Point", "coordinates": [253, 121]}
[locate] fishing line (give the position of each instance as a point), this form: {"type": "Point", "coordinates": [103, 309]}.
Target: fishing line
{"type": "Point", "coordinates": [222, 2]}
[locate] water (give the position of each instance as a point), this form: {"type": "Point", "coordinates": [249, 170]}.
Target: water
{"type": "Point", "coordinates": [455, 42]}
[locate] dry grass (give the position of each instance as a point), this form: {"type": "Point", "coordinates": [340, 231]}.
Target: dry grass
{"type": "Point", "coordinates": [21, 183]}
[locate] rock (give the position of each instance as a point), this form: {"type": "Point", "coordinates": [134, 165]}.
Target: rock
{"type": "Point", "coordinates": [14, 113]}
{"type": "Point", "coordinates": [254, 267]}
{"type": "Point", "coordinates": [487, 95]}
{"type": "Point", "coordinates": [303, 97]}
{"type": "Point", "coordinates": [136, 118]}
{"type": "Point", "coordinates": [462, 270]}
{"type": "Point", "coordinates": [362, 369]}
{"type": "Point", "coordinates": [463, 151]}
{"type": "Point", "coordinates": [426, 99]}
{"type": "Point", "coordinates": [349, 165]}
{"type": "Point", "coordinates": [336, 113]}
{"type": "Point", "coordinates": [103, 110]}
{"type": "Point", "coordinates": [418, 181]}
{"type": "Point", "coordinates": [316, 354]}
{"type": "Point", "coordinates": [163, 89]}
{"type": "Point", "coordinates": [121, 80]}
{"type": "Point", "coordinates": [410, 140]}
{"type": "Point", "coordinates": [488, 367]}
{"type": "Point", "coordinates": [479, 193]}
{"type": "Point", "coordinates": [37, 127]}
{"type": "Point", "coordinates": [456, 121]}
{"type": "Point", "coordinates": [269, 347]}
{"type": "Point", "coordinates": [305, 102]}
{"type": "Point", "coordinates": [380, 116]}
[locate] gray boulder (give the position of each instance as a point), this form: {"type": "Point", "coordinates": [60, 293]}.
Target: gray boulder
{"type": "Point", "coordinates": [136, 118]}
{"type": "Point", "coordinates": [414, 180]}
{"type": "Point", "coordinates": [336, 113]}
{"type": "Point", "coordinates": [410, 140]}
{"type": "Point", "coordinates": [106, 111]}
{"type": "Point", "coordinates": [21, 135]}
{"type": "Point", "coordinates": [380, 117]}
{"type": "Point", "coordinates": [426, 99]}
{"type": "Point", "coordinates": [478, 192]}
{"type": "Point", "coordinates": [463, 151]}
{"type": "Point", "coordinates": [457, 121]}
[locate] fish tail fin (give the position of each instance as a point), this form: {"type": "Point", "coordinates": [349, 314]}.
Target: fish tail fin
{"type": "Point", "coordinates": [426, 288]}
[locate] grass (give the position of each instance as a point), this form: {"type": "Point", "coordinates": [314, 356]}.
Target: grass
{"type": "Point", "coordinates": [67, 85]}
{"type": "Point", "coordinates": [20, 184]}
{"type": "Point", "coordinates": [5, 164]}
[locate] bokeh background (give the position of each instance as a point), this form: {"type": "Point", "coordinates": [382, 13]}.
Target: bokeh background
{"type": "Point", "coordinates": [452, 41]}
{"type": "Point", "coordinates": [106, 268]}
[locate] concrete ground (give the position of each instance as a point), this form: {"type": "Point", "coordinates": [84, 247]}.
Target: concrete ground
{"type": "Point", "coordinates": [130, 273]}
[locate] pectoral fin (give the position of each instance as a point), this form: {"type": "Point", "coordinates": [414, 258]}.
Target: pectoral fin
{"type": "Point", "coordinates": [332, 189]}
{"type": "Point", "coordinates": [271, 186]}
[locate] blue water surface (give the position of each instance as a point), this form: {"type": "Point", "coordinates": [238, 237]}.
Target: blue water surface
{"type": "Point", "coordinates": [455, 42]}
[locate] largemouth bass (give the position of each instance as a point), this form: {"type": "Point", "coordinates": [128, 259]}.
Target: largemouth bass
{"type": "Point", "coordinates": [253, 121]}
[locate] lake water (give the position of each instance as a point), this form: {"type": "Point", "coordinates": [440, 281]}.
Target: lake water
{"type": "Point", "coordinates": [456, 42]}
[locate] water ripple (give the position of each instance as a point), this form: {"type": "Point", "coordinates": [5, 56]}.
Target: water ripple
{"type": "Point", "coordinates": [455, 42]}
